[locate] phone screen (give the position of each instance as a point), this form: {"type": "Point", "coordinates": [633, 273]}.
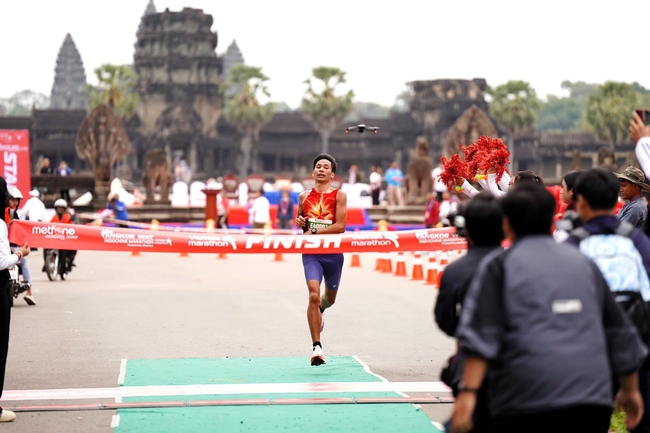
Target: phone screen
{"type": "Point", "coordinates": [644, 115]}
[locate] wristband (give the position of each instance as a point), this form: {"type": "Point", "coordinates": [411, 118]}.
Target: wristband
{"type": "Point", "coordinates": [19, 254]}
{"type": "Point", "coordinates": [464, 388]}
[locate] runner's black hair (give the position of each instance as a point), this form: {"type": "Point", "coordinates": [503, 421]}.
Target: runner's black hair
{"type": "Point", "coordinates": [330, 158]}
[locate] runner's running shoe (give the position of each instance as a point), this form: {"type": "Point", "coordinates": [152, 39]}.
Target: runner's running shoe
{"type": "Point", "coordinates": [317, 357]}
{"type": "Point", "coordinates": [322, 322]}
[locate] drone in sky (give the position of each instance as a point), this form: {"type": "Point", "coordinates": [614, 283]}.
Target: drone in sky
{"type": "Point", "coordinates": [362, 128]}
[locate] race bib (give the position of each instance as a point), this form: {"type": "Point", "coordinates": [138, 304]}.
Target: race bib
{"type": "Point", "coordinates": [313, 223]}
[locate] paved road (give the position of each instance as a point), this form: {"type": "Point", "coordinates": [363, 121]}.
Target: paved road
{"type": "Point", "coordinates": [115, 306]}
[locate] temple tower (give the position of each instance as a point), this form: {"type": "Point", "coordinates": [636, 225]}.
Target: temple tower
{"type": "Point", "coordinates": [231, 57]}
{"type": "Point", "coordinates": [179, 75]}
{"type": "Point", "coordinates": [69, 89]}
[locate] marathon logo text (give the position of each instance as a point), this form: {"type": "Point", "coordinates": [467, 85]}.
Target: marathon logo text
{"type": "Point", "coordinates": [291, 242]}
{"type": "Point", "coordinates": [143, 240]}
{"type": "Point", "coordinates": [425, 237]}
{"type": "Point", "coordinates": [55, 232]}
{"type": "Point", "coordinates": [212, 241]}
{"type": "Point", "coordinates": [375, 239]}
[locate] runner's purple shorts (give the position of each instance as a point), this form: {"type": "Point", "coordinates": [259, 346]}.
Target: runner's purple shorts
{"type": "Point", "coordinates": [318, 266]}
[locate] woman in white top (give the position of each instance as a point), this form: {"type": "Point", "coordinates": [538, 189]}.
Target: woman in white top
{"type": "Point", "coordinates": [7, 260]}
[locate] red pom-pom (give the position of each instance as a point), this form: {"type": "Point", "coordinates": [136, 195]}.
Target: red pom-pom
{"type": "Point", "coordinates": [471, 159]}
{"type": "Point", "coordinates": [453, 169]}
{"type": "Point", "coordinates": [494, 154]}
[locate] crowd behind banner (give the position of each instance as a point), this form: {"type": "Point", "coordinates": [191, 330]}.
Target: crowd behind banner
{"type": "Point", "coordinates": [553, 331]}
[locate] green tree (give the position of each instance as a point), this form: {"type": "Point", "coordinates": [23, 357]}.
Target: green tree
{"type": "Point", "coordinates": [324, 109]}
{"type": "Point", "coordinates": [515, 106]}
{"type": "Point", "coordinates": [579, 89]}
{"type": "Point", "coordinates": [561, 114]}
{"type": "Point", "coordinates": [243, 108]}
{"type": "Point", "coordinates": [609, 110]}
{"type": "Point", "coordinates": [115, 88]}
{"type": "Point", "coordinates": [20, 104]}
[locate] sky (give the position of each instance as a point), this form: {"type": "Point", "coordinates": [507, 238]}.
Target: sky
{"type": "Point", "coordinates": [381, 45]}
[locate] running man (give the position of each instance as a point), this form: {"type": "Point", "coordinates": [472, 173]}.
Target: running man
{"type": "Point", "coordinates": [321, 211]}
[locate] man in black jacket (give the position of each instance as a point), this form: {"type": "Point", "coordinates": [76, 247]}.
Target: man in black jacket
{"type": "Point", "coordinates": [483, 228]}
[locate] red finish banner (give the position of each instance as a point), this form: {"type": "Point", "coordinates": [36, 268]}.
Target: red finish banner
{"type": "Point", "coordinates": [82, 237]}
{"type": "Point", "coordinates": [14, 147]}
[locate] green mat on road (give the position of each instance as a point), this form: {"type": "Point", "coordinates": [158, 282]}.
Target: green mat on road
{"type": "Point", "coordinates": [268, 419]}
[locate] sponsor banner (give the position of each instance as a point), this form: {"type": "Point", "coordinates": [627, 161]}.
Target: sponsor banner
{"type": "Point", "coordinates": [14, 148]}
{"type": "Point", "coordinates": [87, 237]}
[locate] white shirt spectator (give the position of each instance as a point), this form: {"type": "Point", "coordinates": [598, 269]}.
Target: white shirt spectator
{"type": "Point", "coordinates": [438, 186]}
{"type": "Point", "coordinates": [260, 212]}
{"type": "Point", "coordinates": [34, 209]}
{"type": "Point", "coordinates": [375, 180]}
{"type": "Point", "coordinates": [447, 207]}
{"type": "Point", "coordinates": [7, 259]}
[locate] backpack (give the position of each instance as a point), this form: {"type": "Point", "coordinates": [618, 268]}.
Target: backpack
{"type": "Point", "coordinates": [622, 267]}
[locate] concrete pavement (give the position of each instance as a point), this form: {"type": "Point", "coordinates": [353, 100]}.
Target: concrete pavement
{"type": "Point", "coordinates": [115, 306]}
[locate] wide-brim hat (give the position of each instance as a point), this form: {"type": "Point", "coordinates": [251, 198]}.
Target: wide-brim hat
{"type": "Point", "coordinates": [634, 175]}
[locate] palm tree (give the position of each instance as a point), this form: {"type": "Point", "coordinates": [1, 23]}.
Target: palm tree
{"type": "Point", "coordinates": [243, 109]}
{"type": "Point", "coordinates": [325, 110]}
{"type": "Point", "coordinates": [516, 107]}
{"type": "Point", "coordinates": [609, 110]}
{"type": "Point", "coordinates": [115, 89]}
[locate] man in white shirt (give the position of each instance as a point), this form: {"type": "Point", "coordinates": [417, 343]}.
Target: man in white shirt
{"type": "Point", "coordinates": [375, 184]}
{"type": "Point", "coordinates": [259, 213]}
{"type": "Point", "coordinates": [33, 209]}
{"type": "Point", "coordinates": [438, 186]}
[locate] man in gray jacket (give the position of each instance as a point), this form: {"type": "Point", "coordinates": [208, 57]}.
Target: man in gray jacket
{"type": "Point", "coordinates": [548, 332]}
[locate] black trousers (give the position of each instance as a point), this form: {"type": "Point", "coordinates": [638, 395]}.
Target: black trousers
{"type": "Point", "coordinates": [5, 318]}
{"type": "Point", "coordinates": [588, 419]}
{"type": "Point", "coordinates": [375, 196]}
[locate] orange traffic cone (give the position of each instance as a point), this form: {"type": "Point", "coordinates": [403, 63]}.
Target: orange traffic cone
{"type": "Point", "coordinates": [400, 265]}
{"type": "Point", "coordinates": [222, 256]}
{"type": "Point", "coordinates": [278, 257]}
{"type": "Point", "coordinates": [356, 261]}
{"type": "Point", "coordinates": [432, 270]}
{"type": "Point", "coordinates": [379, 263]}
{"type": "Point", "coordinates": [417, 273]}
{"type": "Point", "coordinates": [443, 266]}
{"type": "Point", "coordinates": [388, 264]}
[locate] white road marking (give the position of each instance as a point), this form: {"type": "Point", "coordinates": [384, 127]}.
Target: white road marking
{"type": "Point", "coordinates": [120, 378]}
{"type": "Point", "coordinates": [222, 389]}
{"type": "Point", "coordinates": [115, 421]}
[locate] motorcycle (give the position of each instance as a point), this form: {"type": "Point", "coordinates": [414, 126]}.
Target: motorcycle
{"type": "Point", "coordinates": [17, 284]}
{"type": "Point", "coordinates": [58, 263]}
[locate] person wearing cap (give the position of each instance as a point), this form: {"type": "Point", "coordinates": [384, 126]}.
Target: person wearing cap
{"type": "Point", "coordinates": [11, 213]}
{"type": "Point", "coordinates": [119, 209]}
{"type": "Point", "coordinates": [633, 183]}
{"type": "Point", "coordinates": [33, 209]}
